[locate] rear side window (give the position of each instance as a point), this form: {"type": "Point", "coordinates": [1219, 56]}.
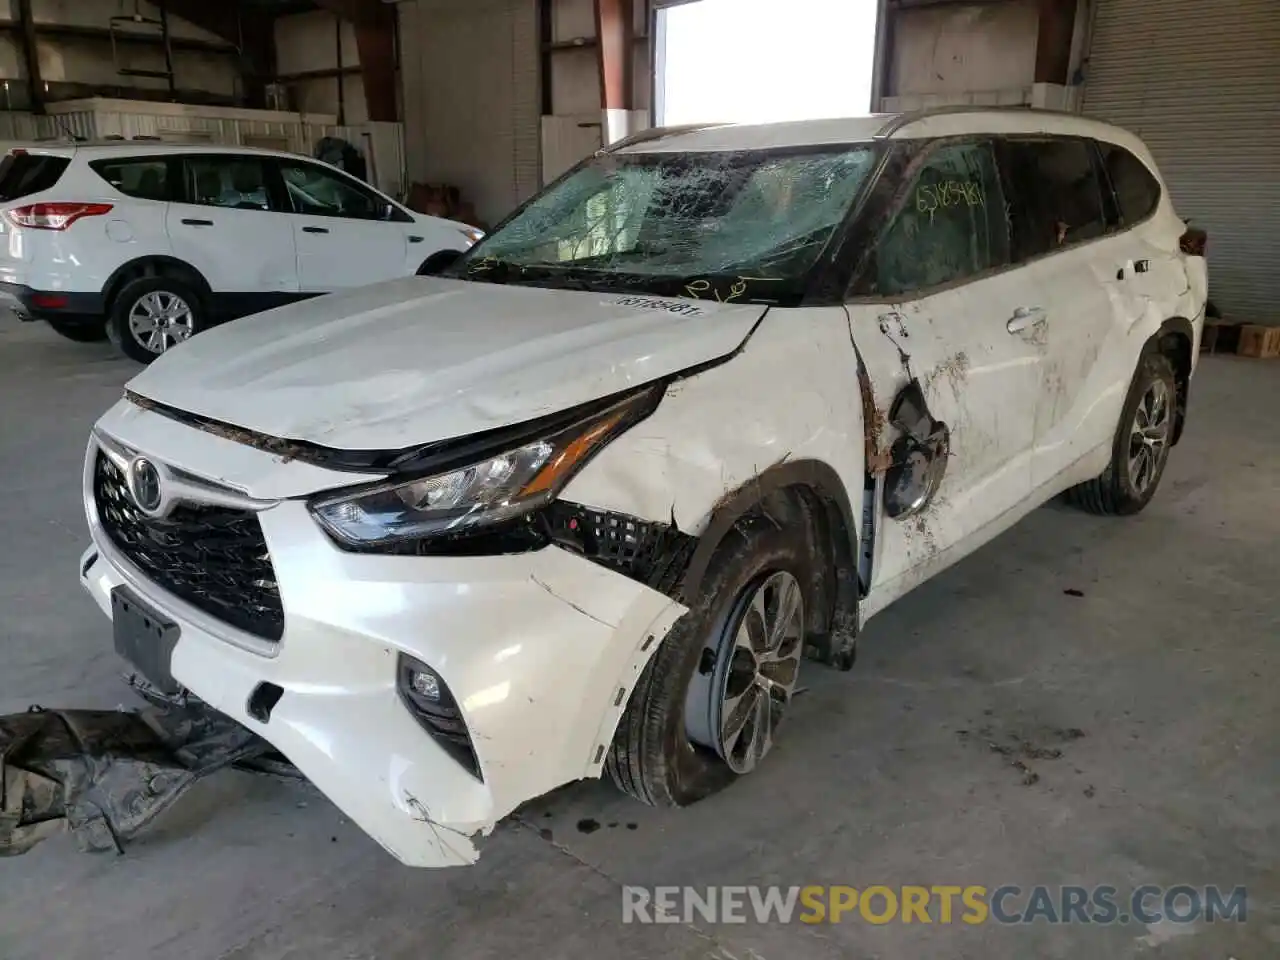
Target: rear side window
{"type": "Point", "coordinates": [146, 178]}
{"type": "Point", "coordinates": [951, 226]}
{"type": "Point", "coordinates": [1137, 190]}
{"type": "Point", "coordinates": [227, 180]}
{"type": "Point", "coordinates": [22, 174]}
{"type": "Point", "coordinates": [1054, 192]}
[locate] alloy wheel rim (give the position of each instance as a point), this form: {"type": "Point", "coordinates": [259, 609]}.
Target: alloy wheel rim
{"type": "Point", "coordinates": [159, 320]}
{"type": "Point", "coordinates": [737, 708]}
{"type": "Point", "coordinates": [1149, 436]}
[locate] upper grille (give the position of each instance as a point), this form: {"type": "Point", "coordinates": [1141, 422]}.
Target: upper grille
{"type": "Point", "coordinates": [213, 558]}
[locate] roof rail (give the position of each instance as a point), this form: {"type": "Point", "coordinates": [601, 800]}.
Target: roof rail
{"type": "Point", "coordinates": [657, 133]}
{"type": "Point", "coordinates": [911, 116]}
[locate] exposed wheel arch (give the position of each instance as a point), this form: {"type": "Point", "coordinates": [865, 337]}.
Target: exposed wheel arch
{"type": "Point", "coordinates": [1176, 340]}
{"type": "Point", "coordinates": [437, 262]}
{"type": "Point", "coordinates": [156, 265]}
{"type": "Point", "coordinates": [815, 489]}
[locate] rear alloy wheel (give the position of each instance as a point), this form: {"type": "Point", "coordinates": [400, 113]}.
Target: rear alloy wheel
{"type": "Point", "coordinates": [153, 315]}
{"type": "Point", "coordinates": [1141, 446]}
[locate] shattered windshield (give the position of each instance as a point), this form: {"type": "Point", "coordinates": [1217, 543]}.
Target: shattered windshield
{"type": "Point", "coordinates": [744, 225]}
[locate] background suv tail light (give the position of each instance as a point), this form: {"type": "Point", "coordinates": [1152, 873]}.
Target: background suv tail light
{"type": "Point", "coordinates": [55, 216]}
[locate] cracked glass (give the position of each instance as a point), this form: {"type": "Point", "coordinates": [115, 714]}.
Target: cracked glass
{"type": "Point", "coordinates": [746, 226]}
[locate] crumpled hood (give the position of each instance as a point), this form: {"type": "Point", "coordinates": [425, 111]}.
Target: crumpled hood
{"type": "Point", "coordinates": [423, 359]}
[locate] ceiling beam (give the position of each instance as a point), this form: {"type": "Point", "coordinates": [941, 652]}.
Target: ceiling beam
{"type": "Point", "coordinates": [1053, 41]}
{"type": "Point", "coordinates": [375, 27]}
{"type": "Point", "coordinates": [614, 30]}
{"type": "Point", "coordinates": [250, 30]}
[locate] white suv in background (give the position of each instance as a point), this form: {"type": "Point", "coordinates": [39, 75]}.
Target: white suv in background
{"type": "Point", "coordinates": [150, 243]}
{"type": "Point", "coordinates": [584, 501]}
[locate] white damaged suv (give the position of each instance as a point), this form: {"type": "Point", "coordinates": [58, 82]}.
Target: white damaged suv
{"type": "Point", "coordinates": [588, 499]}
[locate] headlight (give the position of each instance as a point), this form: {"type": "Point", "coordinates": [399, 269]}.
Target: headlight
{"type": "Point", "coordinates": [522, 477]}
{"type": "Point", "coordinates": [473, 235]}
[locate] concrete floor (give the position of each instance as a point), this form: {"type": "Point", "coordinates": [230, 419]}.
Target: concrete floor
{"type": "Point", "coordinates": [884, 776]}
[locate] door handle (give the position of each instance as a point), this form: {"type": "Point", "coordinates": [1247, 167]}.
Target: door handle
{"type": "Point", "coordinates": [1133, 266]}
{"type": "Point", "coordinates": [315, 229]}
{"type": "Point", "coordinates": [198, 223]}
{"type": "Point", "coordinates": [414, 239]}
{"type": "Point", "coordinates": [1025, 317]}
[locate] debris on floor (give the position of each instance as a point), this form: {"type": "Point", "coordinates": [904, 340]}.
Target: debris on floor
{"type": "Point", "coordinates": [107, 774]}
{"type": "Point", "coordinates": [1242, 339]}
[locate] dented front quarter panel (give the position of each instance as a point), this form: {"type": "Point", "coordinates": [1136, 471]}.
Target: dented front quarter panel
{"type": "Point", "coordinates": [791, 394]}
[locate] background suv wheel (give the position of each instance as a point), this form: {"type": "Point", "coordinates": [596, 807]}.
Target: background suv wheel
{"type": "Point", "coordinates": [154, 314]}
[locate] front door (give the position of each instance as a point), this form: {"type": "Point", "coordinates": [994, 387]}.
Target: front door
{"type": "Point", "coordinates": [346, 235]}
{"type": "Point", "coordinates": [938, 304]}
{"type": "Point", "coordinates": [226, 226]}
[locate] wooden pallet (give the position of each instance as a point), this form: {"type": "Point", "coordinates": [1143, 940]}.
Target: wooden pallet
{"type": "Point", "coordinates": [1242, 339]}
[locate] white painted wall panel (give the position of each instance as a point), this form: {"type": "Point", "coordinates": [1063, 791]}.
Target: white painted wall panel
{"type": "Point", "coordinates": [1200, 83]}
{"type": "Point", "coordinates": [472, 98]}
{"type": "Point", "coordinates": [949, 48]}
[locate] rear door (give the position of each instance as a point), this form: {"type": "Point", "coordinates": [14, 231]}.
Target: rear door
{"type": "Point", "coordinates": [1058, 221]}
{"type": "Point", "coordinates": [938, 303]}
{"type": "Point", "coordinates": [346, 234]}
{"type": "Point", "coordinates": [226, 222]}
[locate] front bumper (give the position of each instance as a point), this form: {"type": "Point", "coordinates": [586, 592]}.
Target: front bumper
{"type": "Point", "coordinates": [540, 651]}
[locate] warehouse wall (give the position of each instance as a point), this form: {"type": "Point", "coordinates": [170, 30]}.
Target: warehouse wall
{"type": "Point", "coordinates": [575, 76]}
{"type": "Point", "coordinates": [471, 98]}
{"type": "Point", "coordinates": [979, 47]}
{"type": "Point", "coordinates": [307, 42]}
{"type": "Point", "coordinates": [86, 59]}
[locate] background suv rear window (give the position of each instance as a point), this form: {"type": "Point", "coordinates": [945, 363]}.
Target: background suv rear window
{"type": "Point", "coordinates": [23, 174]}
{"type": "Point", "coordinates": [146, 178]}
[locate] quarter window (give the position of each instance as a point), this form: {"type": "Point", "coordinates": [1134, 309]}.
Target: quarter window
{"type": "Point", "coordinates": [146, 178]}
{"type": "Point", "coordinates": [950, 227]}
{"type": "Point", "coordinates": [1137, 191]}
{"type": "Point", "coordinates": [226, 180]}
{"type": "Point", "coordinates": [1055, 193]}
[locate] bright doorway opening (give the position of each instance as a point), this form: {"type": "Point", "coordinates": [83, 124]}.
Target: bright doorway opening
{"type": "Point", "coordinates": [759, 61]}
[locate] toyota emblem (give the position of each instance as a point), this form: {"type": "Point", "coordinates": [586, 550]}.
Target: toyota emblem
{"type": "Point", "coordinates": [144, 485]}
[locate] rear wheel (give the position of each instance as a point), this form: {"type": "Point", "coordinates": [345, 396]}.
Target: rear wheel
{"type": "Point", "coordinates": [89, 331]}
{"type": "Point", "coordinates": [709, 704]}
{"type": "Point", "coordinates": [1141, 446]}
{"type": "Point", "coordinates": [152, 315]}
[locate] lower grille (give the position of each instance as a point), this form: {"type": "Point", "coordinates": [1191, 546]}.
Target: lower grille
{"type": "Point", "coordinates": [213, 558]}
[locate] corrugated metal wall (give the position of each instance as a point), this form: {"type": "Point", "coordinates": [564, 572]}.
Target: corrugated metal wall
{"type": "Point", "coordinates": [472, 98]}
{"type": "Point", "coordinates": [1200, 83]}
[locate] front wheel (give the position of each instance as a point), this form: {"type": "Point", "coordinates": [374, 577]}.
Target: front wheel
{"type": "Point", "coordinates": [154, 314]}
{"type": "Point", "coordinates": [708, 706]}
{"type": "Point", "coordinates": [1141, 445]}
